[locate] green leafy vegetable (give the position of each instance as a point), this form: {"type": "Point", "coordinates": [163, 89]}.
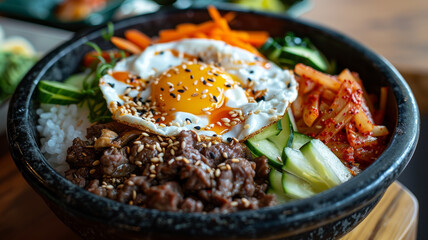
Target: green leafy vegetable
{"type": "Point", "coordinates": [12, 68]}
{"type": "Point", "coordinates": [290, 50]}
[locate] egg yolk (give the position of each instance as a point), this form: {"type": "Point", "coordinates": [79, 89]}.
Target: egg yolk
{"type": "Point", "coordinates": [193, 88]}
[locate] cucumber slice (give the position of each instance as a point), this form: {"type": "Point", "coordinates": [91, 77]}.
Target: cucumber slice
{"type": "Point", "coordinates": [280, 197]}
{"type": "Point", "coordinates": [270, 131]}
{"type": "Point", "coordinates": [76, 80]}
{"type": "Point", "coordinates": [284, 138]}
{"type": "Point", "coordinates": [304, 55]}
{"type": "Point", "coordinates": [330, 168]}
{"type": "Point", "coordinates": [59, 88]}
{"type": "Point", "coordinates": [52, 98]}
{"type": "Point", "coordinates": [294, 187]}
{"type": "Point", "coordinates": [265, 148]}
{"type": "Point", "coordinates": [297, 164]}
{"type": "Point", "coordinates": [275, 186]}
{"type": "Point", "coordinates": [299, 140]}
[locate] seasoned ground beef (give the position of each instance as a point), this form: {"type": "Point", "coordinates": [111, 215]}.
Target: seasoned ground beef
{"type": "Point", "coordinates": [182, 173]}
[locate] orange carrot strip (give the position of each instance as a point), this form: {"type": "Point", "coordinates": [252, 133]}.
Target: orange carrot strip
{"type": "Point", "coordinates": [229, 16]}
{"type": "Point", "coordinates": [126, 45]}
{"type": "Point", "coordinates": [185, 27]}
{"type": "Point", "coordinates": [138, 38]}
{"type": "Point", "coordinates": [171, 35]}
{"type": "Point", "coordinates": [214, 14]}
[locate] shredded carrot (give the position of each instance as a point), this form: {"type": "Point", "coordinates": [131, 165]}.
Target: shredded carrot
{"type": "Point", "coordinates": [138, 38]}
{"type": "Point", "coordinates": [218, 29]}
{"type": "Point", "coordinates": [91, 58]}
{"type": "Point", "coordinates": [126, 45]}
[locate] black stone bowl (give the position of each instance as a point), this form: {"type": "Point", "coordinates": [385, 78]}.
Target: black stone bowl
{"type": "Point", "coordinates": [327, 215]}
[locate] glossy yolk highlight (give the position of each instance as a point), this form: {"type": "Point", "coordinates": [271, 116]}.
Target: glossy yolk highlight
{"type": "Point", "coordinates": [194, 88]}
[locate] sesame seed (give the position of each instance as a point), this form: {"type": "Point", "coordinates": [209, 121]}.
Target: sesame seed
{"type": "Point", "coordinates": [245, 202]}
{"type": "Point", "coordinates": [178, 97]}
{"type": "Point", "coordinates": [210, 80]}
{"type": "Point", "coordinates": [172, 95]}
{"type": "Point", "coordinates": [110, 187]}
{"type": "Point", "coordinates": [179, 158]}
{"type": "Point", "coordinates": [216, 74]}
{"type": "Point", "coordinates": [224, 155]}
{"type": "Point", "coordinates": [233, 203]}
{"type": "Point", "coordinates": [171, 161]}
{"type": "Point", "coordinates": [225, 120]}
{"type": "Point", "coordinates": [212, 155]}
{"type": "Point", "coordinates": [96, 162]}
{"type": "Point", "coordinates": [152, 175]}
{"type": "Point", "coordinates": [188, 120]}
{"type": "Point", "coordinates": [195, 94]}
{"type": "Point", "coordinates": [235, 160]}
{"type": "Point", "coordinates": [138, 163]}
{"type": "Point", "coordinates": [205, 109]}
{"type": "Point", "coordinates": [145, 134]}
{"type": "Point", "coordinates": [197, 128]}
{"type": "Point", "coordinates": [155, 159]}
{"type": "Point", "coordinates": [198, 163]}
{"type": "Point", "coordinates": [228, 167]}
{"type": "Point", "coordinates": [246, 126]}
{"type": "Point", "coordinates": [187, 70]}
{"type": "Point", "coordinates": [198, 137]}
{"type": "Point", "coordinates": [203, 96]}
{"type": "Point", "coordinates": [209, 84]}
{"type": "Point", "coordinates": [172, 152]}
{"type": "Point", "coordinates": [134, 194]}
{"type": "Point", "coordinates": [229, 139]}
{"type": "Point", "coordinates": [215, 98]}
{"type": "Point", "coordinates": [92, 171]}
{"type": "Point", "coordinates": [186, 160]}
{"type": "Point", "coordinates": [205, 91]}
{"type": "Point", "coordinates": [217, 172]}
{"type": "Point", "coordinates": [130, 183]}
{"type": "Point", "coordinates": [140, 148]}
{"type": "Point", "coordinates": [183, 145]}
{"type": "Point", "coordinates": [181, 90]}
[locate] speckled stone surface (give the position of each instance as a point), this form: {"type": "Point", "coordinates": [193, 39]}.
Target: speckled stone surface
{"type": "Point", "coordinates": [327, 215]}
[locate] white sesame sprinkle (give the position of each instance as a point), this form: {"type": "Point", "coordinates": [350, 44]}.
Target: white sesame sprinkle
{"type": "Point", "coordinates": [203, 96]}
{"type": "Point", "coordinates": [205, 91]}
{"type": "Point", "coordinates": [225, 120]}
{"type": "Point", "coordinates": [233, 203]}
{"type": "Point", "coordinates": [140, 148]}
{"type": "Point", "coordinates": [224, 155]}
{"type": "Point", "coordinates": [217, 172]}
{"type": "Point", "coordinates": [246, 126]}
{"type": "Point", "coordinates": [235, 160]}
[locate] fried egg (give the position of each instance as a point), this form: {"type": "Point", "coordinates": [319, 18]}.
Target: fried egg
{"type": "Point", "coordinates": [203, 85]}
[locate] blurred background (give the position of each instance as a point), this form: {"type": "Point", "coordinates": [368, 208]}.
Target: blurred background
{"type": "Point", "coordinates": [29, 29]}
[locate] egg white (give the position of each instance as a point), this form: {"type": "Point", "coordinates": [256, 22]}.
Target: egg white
{"type": "Point", "coordinates": [280, 85]}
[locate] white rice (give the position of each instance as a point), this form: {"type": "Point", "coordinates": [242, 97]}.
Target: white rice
{"type": "Point", "coordinates": [58, 125]}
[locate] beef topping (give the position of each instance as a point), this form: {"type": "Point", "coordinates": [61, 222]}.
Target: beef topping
{"type": "Point", "coordinates": [181, 173]}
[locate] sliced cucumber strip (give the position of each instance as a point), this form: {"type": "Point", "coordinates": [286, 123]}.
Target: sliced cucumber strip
{"type": "Point", "coordinates": [295, 187]}
{"type": "Point", "coordinates": [270, 131]}
{"type": "Point", "coordinates": [295, 163]}
{"type": "Point", "coordinates": [76, 80]}
{"type": "Point", "coordinates": [280, 197]}
{"type": "Point", "coordinates": [52, 98]}
{"type": "Point", "coordinates": [299, 140]}
{"type": "Point", "coordinates": [59, 88]}
{"type": "Point", "coordinates": [285, 137]}
{"type": "Point", "coordinates": [330, 168]}
{"type": "Point", "coordinates": [304, 55]}
{"type": "Point", "coordinates": [265, 148]}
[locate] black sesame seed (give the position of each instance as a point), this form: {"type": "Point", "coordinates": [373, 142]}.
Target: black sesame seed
{"type": "Point", "coordinates": [197, 128]}
{"type": "Point", "coordinates": [140, 99]}
{"type": "Point", "coordinates": [142, 111]}
{"type": "Point", "coordinates": [132, 79]}
{"type": "Point", "coordinates": [181, 90]}
{"type": "Point", "coordinates": [187, 70]}
{"type": "Point", "coordinates": [135, 99]}
{"type": "Point", "coordinates": [228, 85]}
{"type": "Point", "coordinates": [262, 98]}
{"type": "Point", "coordinates": [209, 79]}
{"type": "Point", "coordinates": [152, 111]}
{"type": "Point", "coordinates": [215, 98]}
{"type": "Point", "coordinates": [119, 104]}
{"type": "Point", "coordinates": [148, 100]}
{"type": "Point", "coordinates": [158, 120]}
{"type": "Point", "coordinates": [229, 139]}
{"type": "Point", "coordinates": [161, 53]}
{"type": "Point", "coordinates": [200, 59]}
{"type": "Point", "coordinates": [172, 95]}
{"type": "Point", "coordinates": [216, 74]}
{"type": "Point", "coordinates": [191, 76]}
{"type": "Point", "coordinates": [162, 89]}
{"type": "Point", "coordinates": [249, 79]}
{"type": "Point", "coordinates": [254, 92]}
{"type": "Point", "coordinates": [251, 71]}
{"type": "Point", "coordinates": [212, 155]}
{"type": "Point", "coordinates": [138, 77]}
{"type": "Point", "coordinates": [188, 120]}
{"type": "Point", "coordinates": [147, 82]}
{"type": "Point", "coordinates": [204, 82]}
{"type": "Point", "coordinates": [111, 85]}
{"type": "Point", "coordinates": [215, 135]}
{"type": "Point", "coordinates": [170, 86]}
{"type": "Point", "coordinates": [288, 84]}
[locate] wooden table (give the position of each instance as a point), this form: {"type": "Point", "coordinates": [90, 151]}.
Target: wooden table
{"type": "Point", "coordinates": [24, 215]}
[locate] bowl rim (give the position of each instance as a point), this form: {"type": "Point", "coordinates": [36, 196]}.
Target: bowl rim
{"type": "Point", "coordinates": [51, 184]}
